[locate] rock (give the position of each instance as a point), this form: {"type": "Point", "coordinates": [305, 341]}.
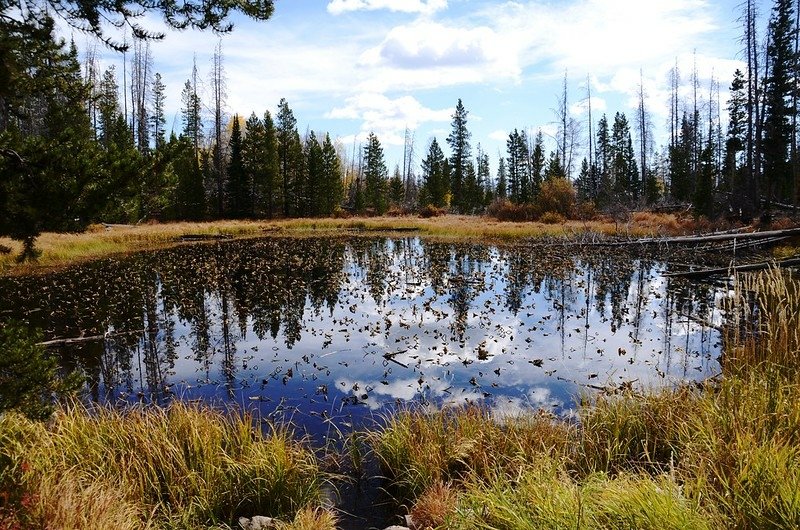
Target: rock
{"type": "Point", "coordinates": [396, 527]}
{"type": "Point", "coordinates": [258, 522]}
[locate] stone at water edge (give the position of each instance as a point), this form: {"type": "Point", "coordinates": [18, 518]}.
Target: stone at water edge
{"type": "Point", "coordinates": [258, 522]}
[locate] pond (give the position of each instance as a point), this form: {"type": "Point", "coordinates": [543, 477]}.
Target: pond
{"type": "Point", "coordinates": [329, 333]}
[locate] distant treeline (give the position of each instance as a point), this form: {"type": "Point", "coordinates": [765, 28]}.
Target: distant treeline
{"type": "Point", "coordinates": [76, 147]}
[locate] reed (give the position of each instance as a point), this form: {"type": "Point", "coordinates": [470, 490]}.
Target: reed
{"type": "Point", "coordinates": [418, 450]}
{"type": "Point", "coordinates": [181, 467]}
{"type": "Point", "coordinates": [764, 322]}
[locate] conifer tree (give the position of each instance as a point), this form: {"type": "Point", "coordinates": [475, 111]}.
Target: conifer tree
{"type": "Point", "coordinates": [780, 86]}
{"type": "Point", "coordinates": [460, 157]}
{"type": "Point", "coordinates": [314, 175]}
{"type": "Point", "coordinates": [518, 168]}
{"type": "Point", "coordinates": [435, 185]}
{"type": "Point", "coordinates": [157, 119]}
{"type": "Point", "coordinates": [332, 189]}
{"type": "Point", "coordinates": [375, 175]}
{"type": "Point", "coordinates": [286, 135]}
{"type": "Point", "coordinates": [270, 185]}
{"type": "Point", "coordinates": [502, 179]}
{"type": "Point", "coordinates": [237, 192]}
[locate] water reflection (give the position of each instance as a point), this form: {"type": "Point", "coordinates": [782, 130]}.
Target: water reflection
{"type": "Point", "coordinates": [326, 331]}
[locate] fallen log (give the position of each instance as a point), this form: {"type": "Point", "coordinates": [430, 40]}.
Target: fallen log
{"type": "Point", "coordinates": [703, 238]}
{"type": "Point", "coordinates": [205, 237]}
{"type": "Point", "coordinates": [91, 338]}
{"type": "Point", "coordinates": [750, 267]}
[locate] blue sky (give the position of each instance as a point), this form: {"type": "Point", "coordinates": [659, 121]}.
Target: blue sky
{"type": "Point", "coordinates": [354, 66]}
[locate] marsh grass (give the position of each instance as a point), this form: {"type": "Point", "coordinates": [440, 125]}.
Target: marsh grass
{"type": "Point", "coordinates": [58, 250]}
{"type": "Point", "coordinates": [180, 467]}
{"type": "Point", "coordinates": [723, 454]}
{"type": "Point", "coordinates": [418, 450]}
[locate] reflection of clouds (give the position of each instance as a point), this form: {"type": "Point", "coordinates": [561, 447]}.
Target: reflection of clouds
{"type": "Point", "coordinates": [403, 298]}
{"type": "Point", "coordinates": [538, 398]}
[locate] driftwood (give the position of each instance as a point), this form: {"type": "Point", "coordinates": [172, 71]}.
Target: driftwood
{"type": "Point", "coordinates": [720, 237]}
{"type": "Point", "coordinates": [91, 338]}
{"type": "Point", "coordinates": [205, 237]}
{"type": "Point", "coordinates": [750, 267]}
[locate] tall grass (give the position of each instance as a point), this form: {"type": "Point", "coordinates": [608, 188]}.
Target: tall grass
{"type": "Point", "coordinates": [418, 450]}
{"type": "Point", "coordinates": [764, 317]}
{"type": "Point", "coordinates": [181, 467]}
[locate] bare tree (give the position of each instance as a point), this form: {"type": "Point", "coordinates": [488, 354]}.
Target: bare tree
{"type": "Point", "coordinates": [219, 93]}
{"type": "Point", "coordinates": [140, 83]}
{"type": "Point", "coordinates": [643, 128]}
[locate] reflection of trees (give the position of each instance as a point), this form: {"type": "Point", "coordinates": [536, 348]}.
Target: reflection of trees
{"type": "Point", "coordinates": [221, 292]}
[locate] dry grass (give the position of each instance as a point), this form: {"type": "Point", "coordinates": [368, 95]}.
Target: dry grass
{"type": "Point", "coordinates": [764, 317]}
{"type": "Point", "coordinates": [65, 249]}
{"type": "Point", "coordinates": [181, 467]}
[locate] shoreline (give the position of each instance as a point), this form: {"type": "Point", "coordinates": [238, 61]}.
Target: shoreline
{"type": "Point", "coordinates": [61, 250]}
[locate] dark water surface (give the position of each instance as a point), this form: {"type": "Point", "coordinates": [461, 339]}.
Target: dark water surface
{"type": "Point", "coordinates": [327, 332]}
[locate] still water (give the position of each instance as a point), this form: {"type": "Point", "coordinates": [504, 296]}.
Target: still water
{"type": "Point", "coordinates": [331, 332]}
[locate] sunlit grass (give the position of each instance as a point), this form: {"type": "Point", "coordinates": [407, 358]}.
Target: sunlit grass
{"type": "Point", "coordinates": [100, 241]}
{"type": "Point", "coordinates": [180, 467]}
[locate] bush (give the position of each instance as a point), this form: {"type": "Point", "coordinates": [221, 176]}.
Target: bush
{"type": "Point", "coordinates": [552, 218]}
{"type": "Point", "coordinates": [557, 195]}
{"type": "Point", "coordinates": [505, 210]}
{"type": "Point", "coordinates": [29, 379]}
{"type": "Point", "coordinates": [430, 210]}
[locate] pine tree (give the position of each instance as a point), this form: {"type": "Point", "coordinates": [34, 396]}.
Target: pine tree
{"type": "Point", "coordinates": [375, 175]}
{"type": "Point", "coordinates": [286, 134]}
{"type": "Point", "coordinates": [502, 179]}
{"type": "Point", "coordinates": [190, 116]}
{"type": "Point", "coordinates": [680, 163]}
{"type": "Point", "coordinates": [735, 141]}
{"type": "Point", "coordinates": [332, 190]}
{"type": "Point", "coordinates": [314, 175]}
{"type": "Point", "coordinates": [624, 171]}
{"type": "Point", "coordinates": [271, 183]}
{"type": "Point", "coordinates": [519, 189]}
{"type": "Point", "coordinates": [483, 176]}
{"type": "Point", "coordinates": [537, 164]}
{"type": "Point", "coordinates": [435, 185]}
{"type": "Point", "coordinates": [460, 158]}
{"type": "Point", "coordinates": [778, 93]}
{"type": "Point", "coordinates": [396, 191]}
{"type": "Point", "coordinates": [605, 183]}
{"type": "Point", "coordinates": [157, 119]}
{"type": "Point", "coordinates": [237, 189]}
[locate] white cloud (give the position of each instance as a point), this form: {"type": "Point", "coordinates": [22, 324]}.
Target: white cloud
{"type": "Point", "coordinates": [337, 7]}
{"type": "Point", "coordinates": [386, 117]}
{"type": "Point", "coordinates": [500, 135]}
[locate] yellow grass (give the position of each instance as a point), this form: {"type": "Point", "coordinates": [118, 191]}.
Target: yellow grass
{"type": "Point", "coordinates": [98, 241]}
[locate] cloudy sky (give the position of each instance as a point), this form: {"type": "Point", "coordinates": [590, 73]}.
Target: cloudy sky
{"type": "Point", "coordinates": [354, 66]}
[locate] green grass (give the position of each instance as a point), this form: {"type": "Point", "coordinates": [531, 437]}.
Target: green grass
{"type": "Point", "coordinates": [181, 467]}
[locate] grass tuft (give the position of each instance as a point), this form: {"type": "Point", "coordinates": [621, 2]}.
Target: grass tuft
{"type": "Point", "coordinates": [181, 467]}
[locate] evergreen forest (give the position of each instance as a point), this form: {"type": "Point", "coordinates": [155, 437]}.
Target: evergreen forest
{"type": "Point", "coordinates": [79, 145]}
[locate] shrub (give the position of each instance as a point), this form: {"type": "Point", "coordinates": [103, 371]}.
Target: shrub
{"type": "Point", "coordinates": [557, 195]}
{"type": "Point", "coordinates": [505, 210]}
{"type": "Point", "coordinates": [430, 210]}
{"type": "Point", "coordinates": [552, 218]}
{"type": "Point", "coordinates": [29, 378]}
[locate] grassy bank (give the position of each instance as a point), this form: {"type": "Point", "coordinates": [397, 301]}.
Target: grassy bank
{"type": "Point", "coordinates": [182, 467]}
{"type": "Point", "coordinates": [99, 241]}
{"type": "Point", "coordinates": [726, 455]}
